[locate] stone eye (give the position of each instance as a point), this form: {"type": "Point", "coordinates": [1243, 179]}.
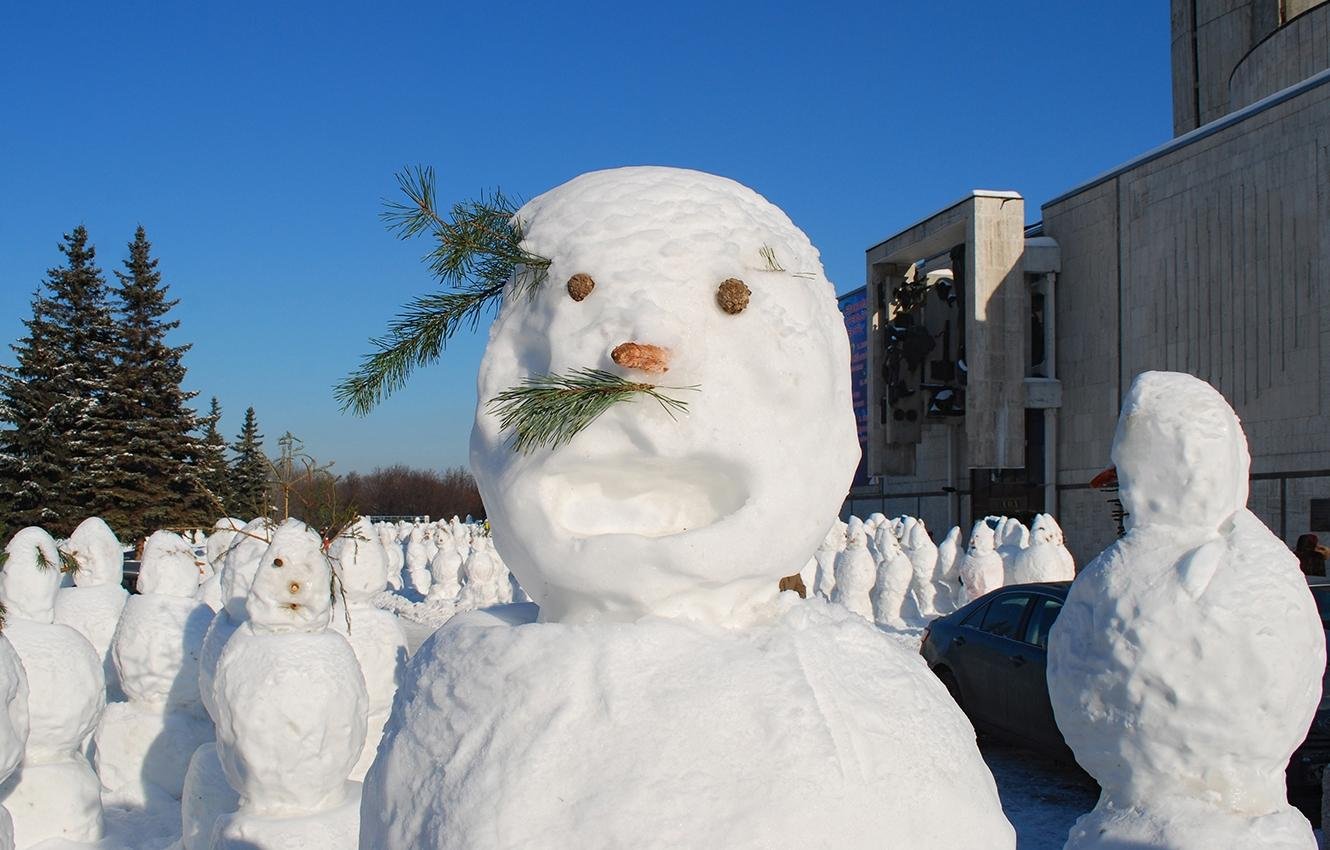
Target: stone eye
{"type": "Point", "coordinates": [580, 286]}
{"type": "Point", "coordinates": [295, 587]}
{"type": "Point", "coordinates": [277, 562]}
{"type": "Point", "coordinates": [732, 295]}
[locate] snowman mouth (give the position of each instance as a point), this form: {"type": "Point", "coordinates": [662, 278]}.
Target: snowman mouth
{"type": "Point", "coordinates": [655, 497]}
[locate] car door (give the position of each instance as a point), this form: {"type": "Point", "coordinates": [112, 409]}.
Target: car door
{"type": "Point", "coordinates": [1031, 711]}
{"type": "Point", "coordinates": [993, 644]}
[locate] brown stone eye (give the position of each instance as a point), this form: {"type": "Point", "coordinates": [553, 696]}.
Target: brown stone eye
{"type": "Point", "coordinates": [580, 286]}
{"type": "Point", "coordinates": [277, 562]}
{"type": "Point", "coordinates": [733, 295]}
{"type": "Point", "coordinates": [295, 587]}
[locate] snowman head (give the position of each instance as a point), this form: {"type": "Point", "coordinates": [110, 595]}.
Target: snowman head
{"type": "Point", "coordinates": [1041, 531]}
{"type": "Point", "coordinates": [30, 577]}
{"type": "Point", "coordinates": [700, 287]}
{"type": "Point", "coordinates": [292, 590]}
{"type": "Point", "coordinates": [98, 553]}
{"type": "Point", "coordinates": [223, 535]}
{"type": "Point", "coordinates": [981, 538]}
{"type": "Point", "coordinates": [360, 561]}
{"type": "Point", "coordinates": [169, 567]}
{"type": "Point", "coordinates": [917, 535]}
{"type": "Point", "coordinates": [1180, 453]}
{"type": "Point", "coordinates": [241, 562]}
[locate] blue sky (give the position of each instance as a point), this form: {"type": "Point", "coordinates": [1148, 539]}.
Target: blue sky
{"type": "Point", "coordinates": [257, 141]}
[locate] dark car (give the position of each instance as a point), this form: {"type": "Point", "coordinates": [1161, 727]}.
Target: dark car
{"type": "Point", "coordinates": [992, 656]}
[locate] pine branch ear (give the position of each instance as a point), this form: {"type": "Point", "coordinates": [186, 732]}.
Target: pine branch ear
{"type": "Point", "coordinates": [477, 255]}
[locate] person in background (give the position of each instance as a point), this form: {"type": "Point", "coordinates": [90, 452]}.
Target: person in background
{"type": "Point", "coordinates": [1311, 555]}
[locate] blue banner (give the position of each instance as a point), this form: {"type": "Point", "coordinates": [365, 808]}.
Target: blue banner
{"type": "Point", "coordinates": [854, 307]}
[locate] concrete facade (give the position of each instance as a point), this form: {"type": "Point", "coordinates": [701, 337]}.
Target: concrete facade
{"type": "Point", "coordinates": [1209, 255]}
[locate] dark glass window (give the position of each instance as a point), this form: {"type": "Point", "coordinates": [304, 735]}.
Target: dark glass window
{"type": "Point", "coordinates": [1041, 620]}
{"type": "Point", "coordinates": [1003, 617]}
{"type": "Point", "coordinates": [975, 617]}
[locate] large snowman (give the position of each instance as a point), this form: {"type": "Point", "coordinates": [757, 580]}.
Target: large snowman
{"type": "Point", "coordinates": [670, 696]}
{"type": "Point", "coordinates": [1186, 665]}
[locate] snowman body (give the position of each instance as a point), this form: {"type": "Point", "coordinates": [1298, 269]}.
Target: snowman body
{"type": "Point", "coordinates": [93, 604]}
{"type": "Point", "coordinates": [892, 581]}
{"type": "Point", "coordinates": [206, 795]}
{"type": "Point", "coordinates": [980, 570]}
{"type": "Point", "coordinates": [13, 726]}
{"type": "Point", "coordinates": [946, 575]}
{"type": "Point", "coordinates": [482, 574]}
{"type": "Point", "coordinates": [291, 706]}
{"type": "Point", "coordinates": [375, 635]}
{"type": "Point", "coordinates": [445, 572]}
{"type": "Point", "coordinates": [654, 546]}
{"type": "Point", "coordinates": [1186, 664]}
{"type": "Point", "coordinates": [143, 745]}
{"type": "Point", "coordinates": [417, 561]}
{"type": "Point", "coordinates": [54, 792]}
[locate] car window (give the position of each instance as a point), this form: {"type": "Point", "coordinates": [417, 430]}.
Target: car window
{"type": "Point", "coordinates": [1041, 620]}
{"type": "Point", "coordinates": [975, 617]}
{"type": "Point", "coordinates": [1003, 616]}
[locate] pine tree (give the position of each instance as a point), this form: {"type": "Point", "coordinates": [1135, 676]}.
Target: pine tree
{"type": "Point", "coordinates": [156, 482]}
{"type": "Point", "coordinates": [61, 443]}
{"type": "Point", "coordinates": [212, 467]}
{"type": "Point", "coordinates": [249, 470]}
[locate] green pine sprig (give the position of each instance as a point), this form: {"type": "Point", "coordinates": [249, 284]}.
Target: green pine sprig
{"type": "Point", "coordinates": [549, 410]}
{"type": "Point", "coordinates": [477, 254]}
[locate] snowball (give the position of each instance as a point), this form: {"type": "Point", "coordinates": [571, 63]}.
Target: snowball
{"type": "Point", "coordinates": [156, 650]}
{"type": "Point", "coordinates": [169, 567]}
{"type": "Point", "coordinates": [644, 513]}
{"type": "Point", "coordinates": [360, 561]}
{"type": "Point", "coordinates": [30, 576]}
{"type": "Point", "coordinates": [99, 555]}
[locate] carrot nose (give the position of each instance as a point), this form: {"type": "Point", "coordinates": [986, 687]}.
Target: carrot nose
{"type": "Point", "coordinates": [1107, 478]}
{"type": "Point", "coordinates": [641, 356]}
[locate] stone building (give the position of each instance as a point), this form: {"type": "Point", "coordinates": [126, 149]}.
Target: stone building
{"type": "Point", "coordinates": [1209, 254]}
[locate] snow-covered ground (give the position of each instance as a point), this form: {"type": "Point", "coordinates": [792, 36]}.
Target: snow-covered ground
{"type": "Point", "coordinates": [1041, 797]}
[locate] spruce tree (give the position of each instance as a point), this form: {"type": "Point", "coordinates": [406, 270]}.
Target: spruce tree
{"type": "Point", "coordinates": [156, 482]}
{"type": "Point", "coordinates": [212, 468]}
{"type": "Point", "coordinates": [60, 443]}
{"type": "Point", "coordinates": [249, 470]}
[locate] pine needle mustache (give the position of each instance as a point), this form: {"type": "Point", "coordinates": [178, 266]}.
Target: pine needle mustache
{"type": "Point", "coordinates": [549, 410]}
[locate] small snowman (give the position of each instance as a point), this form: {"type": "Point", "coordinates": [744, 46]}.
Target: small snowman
{"type": "Point", "coordinates": [825, 580]}
{"type": "Point", "coordinates": [946, 578]}
{"type": "Point", "coordinates": [206, 794]}
{"type": "Point", "coordinates": [483, 574]}
{"type": "Point", "coordinates": [922, 552]}
{"type": "Point", "coordinates": [980, 569]}
{"type": "Point", "coordinates": [143, 745]}
{"type": "Point", "coordinates": [445, 570]}
{"type": "Point", "coordinates": [291, 708]}
{"type": "Point", "coordinates": [1057, 538]}
{"type": "Point", "coordinates": [376, 636]}
{"type": "Point", "coordinates": [393, 547]}
{"type": "Point", "coordinates": [54, 793]}
{"type": "Point", "coordinates": [1011, 538]}
{"type": "Point", "coordinates": [856, 573]}
{"type": "Point", "coordinates": [1042, 560]}
{"type": "Point", "coordinates": [92, 606]}
{"type": "Point", "coordinates": [653, 537]}
{"type": "Point", "coordinates": [13, 726]}
{"type": "Point", "coordinates": [417, 561]}
{"type": "Point", "coordinates": [893, 576]}
{"type": "Point", "coordinates": [1186, 665]}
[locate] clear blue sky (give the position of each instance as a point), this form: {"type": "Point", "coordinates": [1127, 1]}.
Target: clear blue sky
{"type": "Point", "coordinates": [256, 142]}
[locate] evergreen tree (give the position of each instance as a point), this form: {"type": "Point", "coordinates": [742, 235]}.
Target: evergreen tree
{"type": "Point", "coordinates": [249, 470]}
{"type": "Point", "coordinates": [60, 443]}
{"type": "Point", "coordinates": [212, 468]}
{"type": "Point", "coordinates": [156, 481]}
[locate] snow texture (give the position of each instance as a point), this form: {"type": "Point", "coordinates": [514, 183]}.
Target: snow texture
{"type": "Point", "coordinates": [643, 513]}
{"type": "Point", "coordinates": [206, 796]}
{"type": "Point", "coordinates": [31, 576]}
{"type": "Point", "coordinates": [811, 730]}
{"type": "Point", "coordinates": [1186, 665]}
{"type": "Point", "coordinates": [980, 568]}
{"type": "Point", "coordinates": [1043, 559]}
{"type": "Point", "coordinates": [856, 574]}
{"type": "Point", "coordinates": [13, 726]}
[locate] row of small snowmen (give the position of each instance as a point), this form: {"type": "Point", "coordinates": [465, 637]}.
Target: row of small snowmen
{"type": "Point", "coordinates": [443, 568]}
{"type": "Point", "coordinates": [249, 685]}
{"type": "Point", "coordinates": [891, 572]}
